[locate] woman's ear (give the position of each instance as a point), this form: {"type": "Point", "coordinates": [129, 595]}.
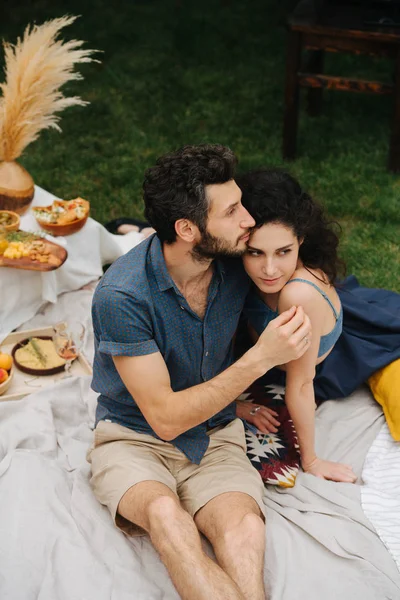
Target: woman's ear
{"type": "Point", "coordinates": [301, 240]}
{"type": "Point", "coordinates": [186, 230]}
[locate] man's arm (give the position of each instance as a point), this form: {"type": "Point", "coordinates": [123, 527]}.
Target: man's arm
{"type": "Point", "coordinates": [172, 413]}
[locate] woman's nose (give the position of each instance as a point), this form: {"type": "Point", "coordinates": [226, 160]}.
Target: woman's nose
{"type": "Point", "coordinates": [269, 268]}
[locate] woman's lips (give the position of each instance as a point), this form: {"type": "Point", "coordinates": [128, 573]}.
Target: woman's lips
{"type": "Point", "coordinates": [270, 281]}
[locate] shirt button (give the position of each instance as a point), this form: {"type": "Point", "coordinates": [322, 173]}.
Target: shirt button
{"type": "Point", "coordinates": [182, 307]}
{"type": "Point", "coordinates": [206, 353]}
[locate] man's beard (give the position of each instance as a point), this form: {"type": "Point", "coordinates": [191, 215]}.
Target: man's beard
{"type": "Point", "coordinates": [211, 247]}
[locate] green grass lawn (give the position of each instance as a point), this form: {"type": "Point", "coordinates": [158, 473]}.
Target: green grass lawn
{"type": "Point", "coordinates": [213, 71]}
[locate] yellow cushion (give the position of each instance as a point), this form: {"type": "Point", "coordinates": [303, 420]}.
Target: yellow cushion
{"type": "Point", "coordinates": [385, 386]}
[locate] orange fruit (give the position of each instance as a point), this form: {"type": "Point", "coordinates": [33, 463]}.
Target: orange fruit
{"type": "Point", "coordinates": [6, 361]}
{"type": "Point", "coordinates": [3, 375]}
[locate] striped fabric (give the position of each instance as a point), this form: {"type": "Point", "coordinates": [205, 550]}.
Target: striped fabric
{"type": "Point", "coordinates": [380, 494]}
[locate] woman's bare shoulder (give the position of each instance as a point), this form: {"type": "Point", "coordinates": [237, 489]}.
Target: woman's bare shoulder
{"type": "Point", "coordinates": [297, 293]}
{"type": "Point", "coordinates": [301, 294]}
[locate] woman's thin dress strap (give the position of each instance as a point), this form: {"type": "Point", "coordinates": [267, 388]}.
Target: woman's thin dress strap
{"type": "Point", "coordinates": [320, 291]}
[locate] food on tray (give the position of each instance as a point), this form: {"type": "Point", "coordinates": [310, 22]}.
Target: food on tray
{"type": "Point", "coordinates": [22, 244]}
{"type": "Point", "coordinates": [16, 250]}
{"type": "Point", "coordinates": [62, 212]}
{"type": "Point", "coordinates": [39, 354]}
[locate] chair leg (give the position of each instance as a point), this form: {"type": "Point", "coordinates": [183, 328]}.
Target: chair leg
{"type": "Point", "coordinates": [394, 148]}
{"type": "Point", "coordinates": [314, 96]}
{"type": "Point", "coordinates": [290, 121]}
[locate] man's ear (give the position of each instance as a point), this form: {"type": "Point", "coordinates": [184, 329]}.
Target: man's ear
{"type": "Point", "coordinates": [186, 230]}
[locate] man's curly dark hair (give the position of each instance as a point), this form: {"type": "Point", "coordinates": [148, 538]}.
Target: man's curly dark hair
{"type": "Point", "coordinates": [174, 187]}
{"type": "Point", "coordinates": [273, 196]}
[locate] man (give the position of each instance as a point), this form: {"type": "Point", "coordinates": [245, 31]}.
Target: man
{"type": "Point", "coordinates": [169, 454]}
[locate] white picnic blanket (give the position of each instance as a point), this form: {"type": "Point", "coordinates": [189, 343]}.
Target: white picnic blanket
{"type": "Point", "coordinates": [58, 543]}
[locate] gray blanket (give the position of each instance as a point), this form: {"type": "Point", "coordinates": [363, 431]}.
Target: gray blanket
{"type": "Point", "coordinates": [320, 545]}
{"type": "Point", "coordinates": [58, 543]}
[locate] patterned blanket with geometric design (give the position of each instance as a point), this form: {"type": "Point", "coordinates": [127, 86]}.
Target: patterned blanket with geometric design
{"type": "Point", "coordinates": [274, 455]}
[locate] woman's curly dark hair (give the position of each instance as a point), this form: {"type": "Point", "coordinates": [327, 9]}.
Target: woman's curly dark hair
{"type": "Point", "coordinates": [274, 196]}
{"type": "Point", "coordinates": [175, 187]}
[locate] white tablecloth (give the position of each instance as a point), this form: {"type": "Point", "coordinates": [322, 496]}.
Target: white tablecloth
{"type": "Point", "coordinates": [22, 292]}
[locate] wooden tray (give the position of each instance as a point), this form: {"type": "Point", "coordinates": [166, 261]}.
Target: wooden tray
{"type": "Point", "coordinates": [26, 263]}
{"type": "Point", "coordinates": [24, 384]}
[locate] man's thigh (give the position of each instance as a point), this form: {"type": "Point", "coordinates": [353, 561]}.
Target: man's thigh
{"type": "Point", "coordinates": [224, 469]}
{"type": "Point", "coordinates": [128, 472]}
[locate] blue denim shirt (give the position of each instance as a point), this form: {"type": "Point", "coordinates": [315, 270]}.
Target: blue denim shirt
{"type": "Point", "coordinates": [137, 310]}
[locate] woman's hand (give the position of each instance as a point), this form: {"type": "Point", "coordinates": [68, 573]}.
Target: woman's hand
{"type": "Point", "coordinates": [324, 469]}
{"type": "Point", "coordinates": [260, 416]}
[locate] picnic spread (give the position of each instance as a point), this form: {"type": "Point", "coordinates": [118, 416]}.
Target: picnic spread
{"type": "Point", "coordinates": [87, 251]}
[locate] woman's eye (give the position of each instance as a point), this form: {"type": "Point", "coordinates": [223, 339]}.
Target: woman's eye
{"type": "Point", "coordinates": [253, 253]}
{"type": "Point", "coordinates": [284, 252]}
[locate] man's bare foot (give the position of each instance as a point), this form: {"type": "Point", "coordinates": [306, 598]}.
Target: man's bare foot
{"type": "Point", "coordinates": [126, 228]}
{"type": "Point", "coordinates": [147, 231]}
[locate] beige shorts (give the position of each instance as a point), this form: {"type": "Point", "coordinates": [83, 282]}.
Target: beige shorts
{"type": "Point", "coordinates": [121, 457]}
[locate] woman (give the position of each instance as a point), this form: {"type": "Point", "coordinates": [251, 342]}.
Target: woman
{"type": "Point", "coordinates": [292, 260]}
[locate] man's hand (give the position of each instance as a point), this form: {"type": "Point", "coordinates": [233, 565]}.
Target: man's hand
{"type": "Point", "coordinates": [285, 339]}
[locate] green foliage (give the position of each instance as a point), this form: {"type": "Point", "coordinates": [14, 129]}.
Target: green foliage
{"type": "Point", "coordinates": [213, 71]}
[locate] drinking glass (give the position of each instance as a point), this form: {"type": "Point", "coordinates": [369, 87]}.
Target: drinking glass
{"type": "Point", "coordinates": [68, 340]}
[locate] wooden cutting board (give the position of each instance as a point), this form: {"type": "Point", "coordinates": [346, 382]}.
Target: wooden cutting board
{"type": "Point", "coordinates": [58, 257]}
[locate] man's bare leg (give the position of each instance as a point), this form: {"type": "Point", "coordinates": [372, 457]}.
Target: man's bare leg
{"type": "Point", "coordinates": [156, 508]}
{"type": "Point", "coordinates": [233, 524]}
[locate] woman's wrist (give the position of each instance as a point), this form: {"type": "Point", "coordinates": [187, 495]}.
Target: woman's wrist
{"type": "Point", "coordinates": [308, 460]}
{"type": "Point", "coordinates": [240, 409]}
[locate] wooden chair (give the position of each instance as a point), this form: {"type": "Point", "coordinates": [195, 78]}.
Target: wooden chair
{"type": "Point", "coordinates": [337, 29]}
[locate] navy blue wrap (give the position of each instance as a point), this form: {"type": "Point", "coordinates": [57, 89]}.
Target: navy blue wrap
{"type": "Point", "coordinates": [369, 341]}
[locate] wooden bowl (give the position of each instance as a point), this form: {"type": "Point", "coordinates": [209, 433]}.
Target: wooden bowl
{"type": "Point", "coordinates": [14, 226]}
{"type": "Point", "coordinates": [57, 230]}
{"type": "Point", "coordinates": [6, 384]}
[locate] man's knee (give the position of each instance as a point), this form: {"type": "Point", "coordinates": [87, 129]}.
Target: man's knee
{"type": "Point", "coordinates": [247, 531]}
{"type": "Point", "coordinates": [142, 499]}
{"type": "Point", "coordinates": [164, 513]}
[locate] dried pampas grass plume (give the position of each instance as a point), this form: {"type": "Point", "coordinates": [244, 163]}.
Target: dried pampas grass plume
{"type": "Point", "coordinates": [36, 67]}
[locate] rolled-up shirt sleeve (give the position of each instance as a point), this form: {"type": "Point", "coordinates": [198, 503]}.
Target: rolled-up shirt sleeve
{"type": "Point", "coordinates": [122, 324]}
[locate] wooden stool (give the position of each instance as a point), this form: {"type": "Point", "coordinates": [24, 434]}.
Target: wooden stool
{"type": "Point", "coordinates": [337, 29]}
